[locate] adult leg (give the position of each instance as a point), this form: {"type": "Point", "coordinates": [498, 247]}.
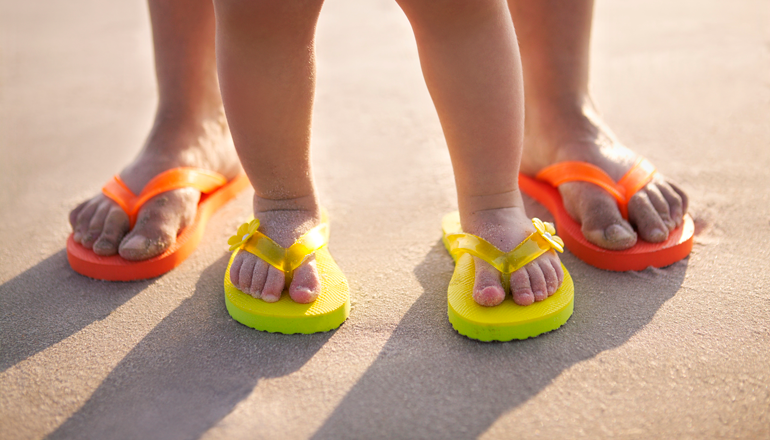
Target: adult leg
{"type": "Point", "coordinates": [189, 130]}
{"type": "Point", "coordinates": [562, 124]}
{"type": "Point", "coordinates": [470, 60]}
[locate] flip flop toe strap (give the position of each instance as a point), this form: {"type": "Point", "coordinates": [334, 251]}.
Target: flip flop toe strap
{"type": "Point", "coordinates": [535, 245]}
{"type": "Point", "coordinates": [634, 180]}
{"type": "Point", "coordinates": [250, 239]}
{"type": "Point", "coordinates": [204, 181]}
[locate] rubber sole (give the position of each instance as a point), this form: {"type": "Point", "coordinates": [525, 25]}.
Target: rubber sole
{"type": "Point", "coordinates": [508, 320]}
{"type": "Point", "coordinates": [327, 312]}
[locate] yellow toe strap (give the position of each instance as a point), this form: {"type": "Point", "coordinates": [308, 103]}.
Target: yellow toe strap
{"type": "Point", "coordinates": [538, 243]}
{"type": "Point", "coordinates": [286, 260]}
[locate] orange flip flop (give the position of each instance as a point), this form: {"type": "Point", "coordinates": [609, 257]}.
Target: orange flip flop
{"type": "Point", "coordinates": [543, 188]}
{"type": "Point", "coordinates": [215, 192]}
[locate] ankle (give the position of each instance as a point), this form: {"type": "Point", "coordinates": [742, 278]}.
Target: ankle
{"type": "Point", "coordinates": [560, 115]}
{"type": "Point", "coordinates": [306, 204]}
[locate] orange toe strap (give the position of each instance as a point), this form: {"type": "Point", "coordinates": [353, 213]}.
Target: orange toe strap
{"type": "Point", "coordinates": [204, 181]}
{"type": "Point", "coordinates": [635, 179]}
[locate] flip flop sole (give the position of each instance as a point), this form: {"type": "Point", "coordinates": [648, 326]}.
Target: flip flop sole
{"type": "Point", "coordinates": [115, 268]}
{"type": "Point", "coordinates": [505, 321]}
{"type": "Point", "coordinates": [327, 312]}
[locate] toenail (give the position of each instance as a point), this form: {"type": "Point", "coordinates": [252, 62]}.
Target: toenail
{"type": "Point", "coordinates": [78, 236]}
{"type": "Point", "coordinates": [657, 234]}
{"type": "Point", "coordinates": [617, 233]}
{"type": "Point", "coordinates": [103, 244]}
{"type": "Point", "coordinates": [135, 242]}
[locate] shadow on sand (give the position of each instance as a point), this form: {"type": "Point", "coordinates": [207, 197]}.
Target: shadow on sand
{"type": "Point", "coordinates": [189, 372]}
{"type": "Point", "coordinates": [430, 382]}
{"type": "Point", "coordinates": [50, 302]}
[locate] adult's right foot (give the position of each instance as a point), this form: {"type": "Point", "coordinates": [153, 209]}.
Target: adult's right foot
{"type": "Point", "coordinates": [100, 224]}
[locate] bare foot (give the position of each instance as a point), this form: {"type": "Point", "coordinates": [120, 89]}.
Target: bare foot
{"type": "Point", "coordinates": [505, 228]}
{"type": "Point", "coordinates": [284, 221]}
{"type": "Point", "coordinates": [100, 224]}
{"type": "Point", "coordinates": [559, 135]}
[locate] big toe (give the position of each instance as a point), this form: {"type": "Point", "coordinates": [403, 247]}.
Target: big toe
{"type": "Point", "coordinates": [158, 223]}
{"type": "Point", "coordinates": [487, 289]}
{"type": "Point", "coordinates": [306, 283]}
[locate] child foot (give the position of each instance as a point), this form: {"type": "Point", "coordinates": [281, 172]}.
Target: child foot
{"type": "Point", "coordinates": [553, 136]}
{"type": "Point", "coordinates": [284, 221]}
{"type": "Point", "coordinates": [505, 228]}
{"type": "Point", "coordinates": [101, 225]}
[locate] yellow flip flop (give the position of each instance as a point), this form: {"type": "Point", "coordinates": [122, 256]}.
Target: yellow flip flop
{"type": "Point", "coordinates": [508, 320]}
{"type": "Point", "coordinates": [327, 312]}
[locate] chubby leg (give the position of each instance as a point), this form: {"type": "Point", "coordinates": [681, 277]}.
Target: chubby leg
{"type": "Point", "coordinates": [189, 130]}
{"type": "Point", "coordinates": [470, 60]}
{"type": "Point", "coordinates": [563, 124]}
{"type": "Point", "coordinates": [266, 61]}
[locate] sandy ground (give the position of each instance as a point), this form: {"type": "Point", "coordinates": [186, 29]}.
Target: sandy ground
{"type": "Point", "coordinates": [682, 352]}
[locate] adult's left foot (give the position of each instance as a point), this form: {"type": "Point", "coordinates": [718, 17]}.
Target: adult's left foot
{"type": "Point", "coordinates": [578, 134]}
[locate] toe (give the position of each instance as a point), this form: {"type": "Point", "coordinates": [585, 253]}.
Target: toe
{"type": "Point", "coordinates": [96, 226]}
{"type": "Point", "coordinates": [556, 264]}
{"type": "Point", "coordinates": [549, 274]}
{"type": "Point", "coordinates": [598, 212]}
{"type": "Point", "coordinates": [274, 284]}
{"type": "Point", "coordinates": [676, 201]}
{"type": "Point", "coordinates": [487, 289]}
{"type": "Point", "coordinates": [235, 270]}
{"type": "Point", "coordinates": [115, 227]}
{"type": "Point", "coordinates": [537, 281]}
{"type": "Point", "coordinates": [73, 217]}
{"type": "Point", "coordinates": [158, 223]}
{"type": "Point", "coordinates": [305, 284]}
{"type": "Point", "coordinates": [646, 218]}
{"type": "Point", "coordinates": [245, 271]}
{"type": "Point", "coordinates": [258, 278]}
{"type": "Point", "coordinates": [521, 289]}
{"type": "Point", "coordinates": [660, 204]}
{"type": "Point", "coordinates": [84, 219]}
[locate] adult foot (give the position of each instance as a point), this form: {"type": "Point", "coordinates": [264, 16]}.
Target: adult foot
{"type": "Point", "coordinates": [559, 134]}
{"type": "Point", "coordinates": [284, 221]}
{"type": "Point", "coordinates": [100, 224]}
{"type": "Point", "coordinates": [505, 228]}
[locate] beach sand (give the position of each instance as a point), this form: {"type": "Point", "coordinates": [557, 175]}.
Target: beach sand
{"type": "Point", "coordinates": [679, 352]}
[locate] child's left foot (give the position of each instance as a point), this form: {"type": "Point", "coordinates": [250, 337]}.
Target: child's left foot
{"type": "Point", "coordinates": [505, 228]}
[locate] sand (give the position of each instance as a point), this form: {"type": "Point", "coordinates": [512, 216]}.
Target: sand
{"type": "Point", "coordinates": [680, 352]}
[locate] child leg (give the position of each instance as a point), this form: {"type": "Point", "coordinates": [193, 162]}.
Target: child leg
{"type": "Point", "coordinates": [266, 63]}
{"type": "Point", "coordinates": [470, 60]}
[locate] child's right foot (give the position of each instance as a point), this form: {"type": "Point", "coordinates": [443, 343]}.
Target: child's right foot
{"type": "Point", "coordinates": [505, 228]}
{"type": "Point", "coordinates": [100, 224]}
{"type": "Point", "coordinates": [284, 221]}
